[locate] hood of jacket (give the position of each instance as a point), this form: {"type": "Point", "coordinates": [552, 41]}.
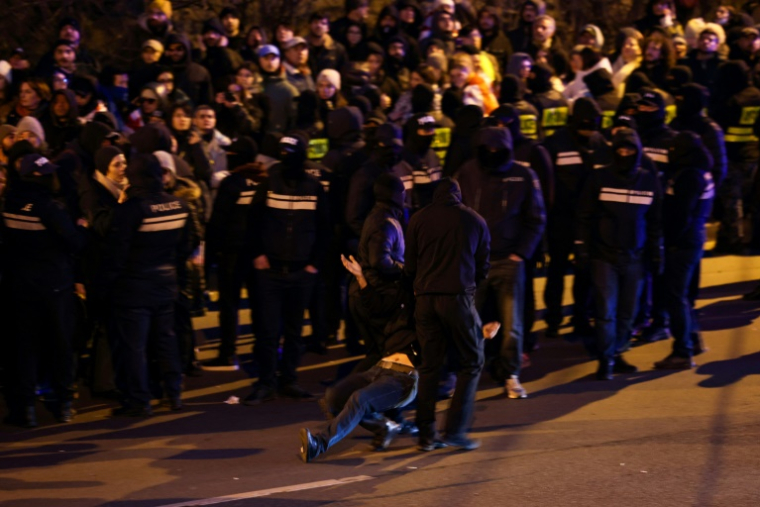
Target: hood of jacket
{"type": "Point", "coordinates": [586, 114]}
{"type": "Point", "coordinates": [344, 125]}
{"type": "Point", "coordinates": [389, 189]}
{"type": "Point", "coordinates": [512, 90]}
{"type": "Point", "coordinates": [598, 35]}
{"type": "Point", "coordinates": [516, 62]}
{"type": "Point", "coordinates": [691, 100]}
{"type": "Point", "coordinates": [144, 174]}
{"type": "Point", "coordinates": [92, 136]}
{"type": "Point", "coordinates": [688, 151]}
{"type": "Point", "coordinates": [447, 192]}
{"type": "Point", "coordinates": [152, 137]}
{"type": "Point", "coordinates": [494, 149]}
{"type": "Point", "coordinates": [541, 78]}
{"type": "Point", "coordinates": [468, 120]}
{"type": "Point", "coordinates": [599, 82]}
{"type": "Point", "coordinates": [626, 137]}
{"type": "Point", "coordinates": [178, 38]}
{"type": "Point", "coordinates": [733, 77]}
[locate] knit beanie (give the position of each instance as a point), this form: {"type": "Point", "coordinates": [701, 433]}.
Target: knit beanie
{"type": "Point", "coordinates": [31, 124]}
{"type": "Point", "coordinates": [164, 6]}
{"type": "Point", "coordinates": [332, 76]}
{"type": "Point", "coordinates": [104, 156]}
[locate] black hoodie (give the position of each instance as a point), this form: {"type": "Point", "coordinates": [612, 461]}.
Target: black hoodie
{"type": "Point", "coordinates": [190, 77]}
{"type": "Point", "coordinates": [496, 42]}
{"type": "Point", "coordinates": [61, 131]}
{"type": "Point", "coordinates": [734, 106]}
{"type": "Point", "coordinates": [461, 148]}
{"type": "Point", "coordinates": [447, 245]}
{"type": "Point", "coordinates": [689, 192]}
{"type": "Point", "coordinates": [507, 195]}
{"type": "Point", "coordinates": [522, 36]}
{"type": "Point", "coordinates": [551, 105]}
{"type": "Point", "coordinates": [620, 209]}
{"type": "Point", "coordinates": [423, 161]}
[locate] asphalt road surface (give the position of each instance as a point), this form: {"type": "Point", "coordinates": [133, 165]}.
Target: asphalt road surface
{"type": "Point", "coordinates": [649, 439]}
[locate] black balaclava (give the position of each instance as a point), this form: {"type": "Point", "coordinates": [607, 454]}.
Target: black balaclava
{"type": "Point", "coordinates": [509, 117]}
{"type": "Point", "coordinates": [468, 119]}
{"type": "Point", "coordinates": [653, 119]}
{"type": "Point", "coordinates": [423, 97]}
{"type": "Point", "coordinates": [145, 174]}
{"type": "Point", "coordinates": [293, 156]}
{"type": "Point", "coordinates": [599, 82]}
{"type": "Point", "coordinates": [389, 189]}
{"type": "Point", "coordinates": [636, 82]}
{"type": "Point", "coordinates": [677, 77]}
{"type": "Point", "coordinates": [388, 150]}
{"type": "Point", "coordinates": [691, 100]}
{"type": "Point", "coordinates": [414, 142]}
{"type": "Point", "coordinates": [626, 166]}
{"type": "Point", "coordinates": [540, 80]}
{"type": "Point", "coordinates": [242, 151]}
{"type": "Point", "coordinates": [494, 151]}
{"type": "Point", "coordinates": [688, 151]}
{"type": "Point", "coordinates": [511, 90]}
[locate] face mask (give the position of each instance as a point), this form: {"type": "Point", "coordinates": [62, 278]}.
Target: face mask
{"type": "Point", "coordinates": [624, 165]}
{"type": "Point", "coordinates": [492, 160]}
{"type": "Point", "coordinates": [649, 119]}
{"type": "Point", "coordinates": [421, 144]}
{"type": "Point", "coordinates": [388, 156]}
{"type": "Point", "coordinates": [293, 164]}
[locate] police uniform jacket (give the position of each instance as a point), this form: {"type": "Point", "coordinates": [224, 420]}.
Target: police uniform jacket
{"type": "Point", "coordinates": [572, 164]}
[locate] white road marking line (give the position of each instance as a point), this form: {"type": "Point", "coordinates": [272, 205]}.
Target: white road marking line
{"type": "Point", "coordinates": [273, 491]}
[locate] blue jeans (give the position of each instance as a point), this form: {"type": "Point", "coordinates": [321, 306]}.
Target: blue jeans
{"type": "Point", "coordinates": [132, 329]}
{"type": "Point", "coordinates": [360, 398]}
{"type": "Point", "coordinates": [616, 292]}
{"type": "Point", "coordinates": [680, 266]}
{"type": "Point", "coordinates": [506, 282]}
{"type": "Point", "coordinates": [282, 299]}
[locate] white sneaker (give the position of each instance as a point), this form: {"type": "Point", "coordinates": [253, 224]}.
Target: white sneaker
{"type": "Point", "coordinates": [514, 388]}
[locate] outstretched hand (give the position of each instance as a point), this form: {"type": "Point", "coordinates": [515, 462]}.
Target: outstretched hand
{"type": "Point", "coordinates": [352, 265]}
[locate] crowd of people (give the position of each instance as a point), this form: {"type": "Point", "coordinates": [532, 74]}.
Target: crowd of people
{"type": "Point", "coordinates": [440, 157]}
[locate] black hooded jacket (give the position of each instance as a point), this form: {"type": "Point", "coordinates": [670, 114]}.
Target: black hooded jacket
{"type": "Point", "coordinates": [512, 93]}
{"type": "Point", "coordinates": [148, 241]}
{"type": "Point", "coordinates": [690, 116]}
{"type": "Point", "coordinates": [507, 195]}
{"type": "Point", "coordinates": [462, 146]}
{"type": "Point", "coordinates": [496, 42]}
{"type": "Point", "coordinates": [620, 209]}
{"type": "Point", "coordinates": [522, 36]}
{"type": "Point", "coordinates": [689, 192]}
{"type": "Point", "coordinates": [381, 245]}
{"type": "Point", "coordinates": [447, 245]}
{"type": "Point", "coordinates": [552, 106]}
{"type": "Point", "coordinates": [422, 160]}
{"type": "Point", "coordinates": [190, 77]}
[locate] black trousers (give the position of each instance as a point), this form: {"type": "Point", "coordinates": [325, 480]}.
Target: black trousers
{"type": "Point", "coordinates": [561, 242]}
{"type": "Point", "coordinates": [443, 322]}
{"type": "Point", "coordinates": [41, 334]}
{"type": "Point", "coordinates": [234, 271]}
{"type": "Point", "coordinates": [134, 332]}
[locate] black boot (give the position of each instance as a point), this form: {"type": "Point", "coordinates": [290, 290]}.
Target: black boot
{"type": "Point", "coordinates": [311, 446]}
{"type": "Point", "coordinates": [623, 366]}
{"type": "Point", "coordinates": [387, 432]}
{"type": "Point", "coordinates": [604, 371]}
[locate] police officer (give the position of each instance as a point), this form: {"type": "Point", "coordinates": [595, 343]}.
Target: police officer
{"type": "Point", "coordinates": [227, 242]}
{"type": "Point", "coordinates": [419, 132]}
{"type": "Point", "coordinates": [619, 229]}
{"type": "Point", "coordinates": [40, 244]}
{"type": "Point", "coordinates": [381, 255]}
{"type": "Point", "coordinates": [734, 105]}
{"type": "Point", "coordinates": [689, 192]}
{"type": "Point", "coordinates": [553, 108]}
{"type": "Point", "coordinates": [446, 256]}
{"type": "Point", "coordinates": [571, 149]}
{"type": "Point", "coordinates": [148, 242]}
{"type": "Point", "coordinates": [508, 196]}
{"type": "Point", "coordinates": [512, 94]}
{"type": "Point", "coordinates": [290, 230]}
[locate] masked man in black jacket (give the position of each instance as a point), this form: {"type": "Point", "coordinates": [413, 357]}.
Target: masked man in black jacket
{"type": "Point", "coordinates": [619, 229]}
{"type": "Point", "coordinates": [508, 196]}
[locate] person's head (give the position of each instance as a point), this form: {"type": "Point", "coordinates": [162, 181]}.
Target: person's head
{"type": "Point", "coordinates": [59, 81]}
{"type": "Point", "coordinates": [293, 149]}
{"type": "Point", "coordinates": [486, 20]}
{"type": "Point", "coordinates": [397, 50]}
{"type": "Point", "coordinates": [246, 76]}
{"type": "Point", "coordinates": [662, 8]}
{"type": "Point", "coordinates": [111, 162]}
{"type": "Point", "coordinates": [149, 100]}
{"type": "Point", "coordinates": [576, 60]}
{"type": "Point", "coordinates": [529, 12]}
{"type": "Point", "coordinates": [746, 42]}
{"type": "Point", "coordinates": [64, 54]}
{"type": "Point", "coordinates": [284, 32]}
{"type": "Point", "coordinates": [708, 41]}
{"type": "Point", "coordinates": [544, 28]}
{"type": "Point", "coordinates": [650, 109]}
{"type": "Point", "coordinates": [176, 52]}
{"type": "Point", "coordinates": [723, 14]}
{"type": "Point", "coordinates": [61, 105]}
{"type": "Point", "coordinates": [691, 100]}
{"type": "Point", "coordinates": [255, 37]}
{"type": "Point", "coordinates": [151, 51]}
{"type": "Point", "coordinates": [445, 22]}
{"type": "Point", "coordinates": [205, 119]}
{"type": "Point", "coordinates": [230, 18]}
{"type": "Point", "coordinates": [166, 79]}
{"type": "Point", "coordinates": [354, 33]}
{"type": "Point", "coordinates": [319, 24]}
{"type": "Point", "coordinates": [459, 74]}
{"type": "Point", "coordinates": [631, 50]}
{"type": "Point", "coordinates": [269, 59]}
{"type": "Point", "coordinates": [158, 13]}
{"type": "Point", "coordinates": [407, 14]}
{"type": "Point", "coordinates": [357, 10]}
{"type": "Point", "coordinates": [296, 52]}
{"type": "Point", "coordinates": [33, 92]}
{"type": "Point", "coordinates": [181, 118]}
{"type": "Point", "coordinates": [658, 48]}
{"type": "Point", "coordinates": [328, 84]}
{"type": "Point", "coordinates": [446, 6]}
{"type": "Point", "coordinates": [588, 37]}
{"type": "Point", "coordinates": [30, 129]}
{"type": "Point", "coordinates": [375, 58]}
{"type": "Point", "coordinates": [213, 33]}
{"type": "Point", "coordinates": [7, 138]}
{"type": "Point", "coordinates": [70, 30]}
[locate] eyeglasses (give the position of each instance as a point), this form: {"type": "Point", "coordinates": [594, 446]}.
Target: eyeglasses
{"type": "Point", "coordinates": [147, 100]}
